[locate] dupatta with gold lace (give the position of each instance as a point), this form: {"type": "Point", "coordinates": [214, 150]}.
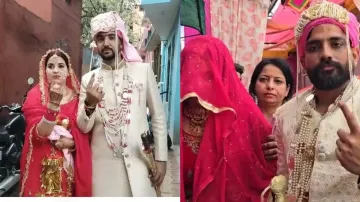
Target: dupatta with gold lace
{"type": "Point", "coordinates": [229, 164]}
{"type": "Point", "coordinates": [41, 165]}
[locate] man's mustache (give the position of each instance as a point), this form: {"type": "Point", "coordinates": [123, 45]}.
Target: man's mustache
{"type": "Point", "coordinates": [106, 49]}
{"type": "Point", "coordinates": [328, 63]}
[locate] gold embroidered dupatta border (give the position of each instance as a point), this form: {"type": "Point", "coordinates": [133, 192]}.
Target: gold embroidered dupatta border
{"type": "Point", "coordinates": [28, 161]}
{"type": "Point", "coordinates": [206, 104]}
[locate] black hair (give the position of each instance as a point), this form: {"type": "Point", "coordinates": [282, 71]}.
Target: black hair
{"type": "Point", "coordinates": [239, 68]}
{"type": "Point", "coordinates": [284, 68]}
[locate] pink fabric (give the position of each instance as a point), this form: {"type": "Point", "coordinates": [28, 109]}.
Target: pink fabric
{"type": "Point", "coordinates": [54, 136]}
{"type": "Point", "coordinates": [190, 34]}
{"type": "Point", "coordinates": [298, 2]}
{"type": "Point", "coordinates": [207, 17]}
{"type": "Point", "coordinates": [129, 52]}
{"type": "Point", "coordinates": [286, 17]}
{"type": "Point", "coordinates": [241, 25]}
{"type": "Point", "coordinates": [353, 28]}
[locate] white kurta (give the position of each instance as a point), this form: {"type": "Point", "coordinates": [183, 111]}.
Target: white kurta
{"type": "Point", "coordinates": [127, 176]}
{"type": "Point", "coordinates": [329, 180]}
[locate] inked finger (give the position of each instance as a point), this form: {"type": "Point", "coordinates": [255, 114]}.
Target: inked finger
{"type": "Point", "coordinates": [55, 87]}
{"type": "Point", "coordinates": [350, 118]}
{"type": "Point", "coordinates": [91, 82]}
{"type": "Point", "coordinates": [99, 89]}
{"type": "Point", "coordinates": [95, 86]}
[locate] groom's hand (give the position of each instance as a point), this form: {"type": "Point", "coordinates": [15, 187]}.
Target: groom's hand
{"type": "Point", "coordinates": [158, 178]}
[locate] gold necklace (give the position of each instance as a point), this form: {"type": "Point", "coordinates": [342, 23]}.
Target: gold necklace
{"type": "Point", "coordinates": [197, 120]}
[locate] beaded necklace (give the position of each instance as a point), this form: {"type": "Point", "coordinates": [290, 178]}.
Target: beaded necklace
{"type": "Point", "coordinates": [116, 120]}
{"type": "Point", "coordinates": [304, 144]}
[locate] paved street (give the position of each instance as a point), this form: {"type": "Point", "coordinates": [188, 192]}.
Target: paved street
{"type": "Point", "coordinates": [171, 184]}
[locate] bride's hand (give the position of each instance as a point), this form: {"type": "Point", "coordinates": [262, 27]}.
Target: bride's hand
{"type": "Point", "coordinates": [55, 94]}
{"type": "Point", "coordinates": [65, 143]}
{"type": "Point", "coordinates": [270, 148]}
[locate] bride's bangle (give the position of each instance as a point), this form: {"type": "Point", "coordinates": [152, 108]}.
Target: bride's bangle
{"type": "Point", "coordinates": [48, 121]}
{"type": "Point", "coordinates": [88, 106]}
{"type": "Point", "coordinates": [51, 115]}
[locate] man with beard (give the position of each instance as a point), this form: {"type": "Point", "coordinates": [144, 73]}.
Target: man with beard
{"type": "Point", "coordinates": [112, 107]}
{"type": "Point", "coordinates": [319, 144]}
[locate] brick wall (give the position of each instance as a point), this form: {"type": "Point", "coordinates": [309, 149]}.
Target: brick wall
{"type": "Point", "coordinates": [27, 31]}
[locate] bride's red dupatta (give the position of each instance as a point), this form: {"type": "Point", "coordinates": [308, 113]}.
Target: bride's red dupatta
{"type": "Point", "coordinates": [230, 165]}
{"type": "Point", "coordinates": [34, 108]}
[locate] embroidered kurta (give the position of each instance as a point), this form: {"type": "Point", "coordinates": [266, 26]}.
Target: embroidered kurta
{"type": "Point", "coordinates": [128, 175]}
{"type": "Point", "coordinates": [329, 180]}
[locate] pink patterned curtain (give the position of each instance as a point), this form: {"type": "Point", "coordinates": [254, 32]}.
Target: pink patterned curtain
{"type": "Point", "coordinates": [241, 25]}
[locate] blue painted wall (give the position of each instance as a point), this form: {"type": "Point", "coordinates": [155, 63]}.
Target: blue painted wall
{"type": "Point", "coordinates": [143, 2]}
{"type": "Point", "coordinates": [170, 75]}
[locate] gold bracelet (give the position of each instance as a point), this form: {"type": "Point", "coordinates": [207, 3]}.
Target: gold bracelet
{"type": "Point", "coordinates": [87, 106]}
{"type": "Point", "coordinates": [47, 121]}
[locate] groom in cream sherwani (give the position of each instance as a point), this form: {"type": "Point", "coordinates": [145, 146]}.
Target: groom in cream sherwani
{"type": "Point", "coordinates": [112, 108]}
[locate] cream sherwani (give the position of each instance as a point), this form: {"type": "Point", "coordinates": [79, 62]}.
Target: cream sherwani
{"type": "Point", "coordinates": [127, 176]}
{"type": "Point", "coordinates": [329, 182]}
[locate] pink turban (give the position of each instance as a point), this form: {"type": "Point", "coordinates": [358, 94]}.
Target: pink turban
{"type": "Point", "coordinates": [352, 24]}
{"type": "Point", "coordinates": [111, 21]}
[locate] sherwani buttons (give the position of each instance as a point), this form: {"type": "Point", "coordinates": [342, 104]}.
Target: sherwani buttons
{"type": "Point", "coordinates": [322, 156]}
{"type": "Point", "coordinates": [321, 148]}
